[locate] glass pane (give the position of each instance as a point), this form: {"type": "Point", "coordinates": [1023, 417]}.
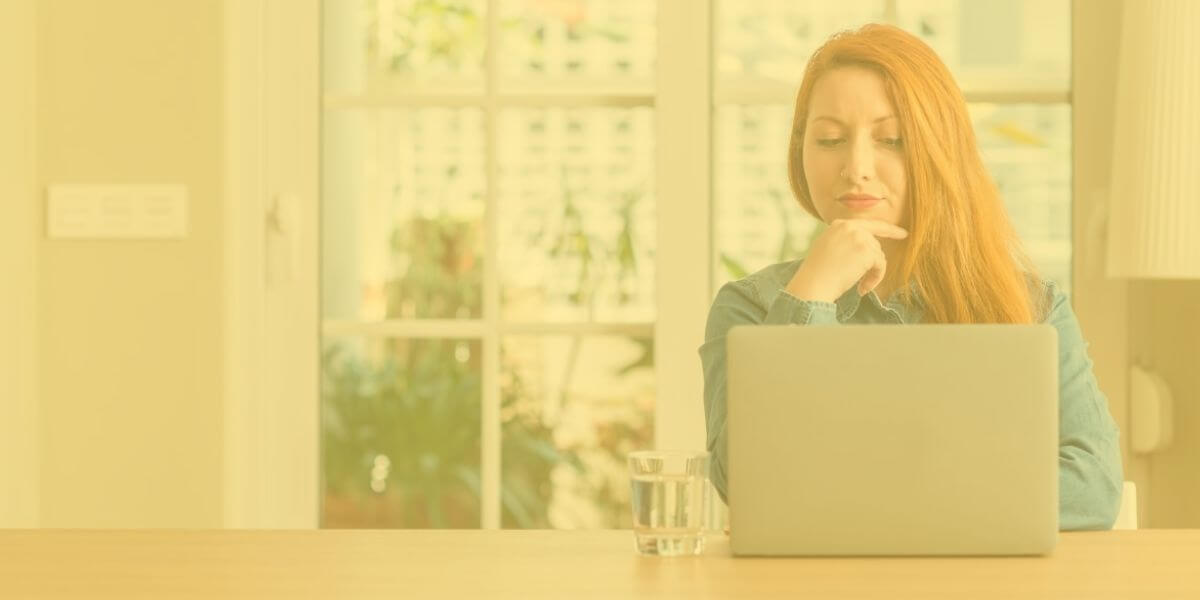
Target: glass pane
{"type": "Point", "coordinates": [382, 46]}
{"type": "Point", "coordinates": [756, 221]}
{"type": "Point", "coordinates": [1027, 149]}
{"type": "Point", "coordinates": [1009, 46]}
{"type": "Point", "coordinates": [771, 40]}
{"type": "Point", "coordinates": [400, 433]}
{"type": "Point", "coordinates": [577, 44]}
{"type": "Point", "coordinates": [573, 408]}
{"type": "Point", "coordinates": [402, 213]}
{"type": "Point", "coordinates": [577, 214]}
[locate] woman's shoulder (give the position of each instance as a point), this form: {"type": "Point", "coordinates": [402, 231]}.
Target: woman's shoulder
{"type": "Point", "coordinates": [1048, 296]}
{"type": "Point", "coordinates": [748, 300]}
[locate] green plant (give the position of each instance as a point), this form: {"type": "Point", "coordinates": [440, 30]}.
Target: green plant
{"type": "Point", "coordinates": [433, 36]}
{"type": "Point", "coordinates": [443, 278]}
{"type": "Point", "coordinates": [418, 407]}
{"type": "Point", "coordinates": [424, 35]}
{"type": "Point", "coordinates": [401, 419]}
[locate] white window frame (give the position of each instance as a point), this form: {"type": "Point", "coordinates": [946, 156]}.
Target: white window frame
{"type": "Point", "coordinates": [272, 454]}
{"type": "Point", "coordinates": [270, 457]}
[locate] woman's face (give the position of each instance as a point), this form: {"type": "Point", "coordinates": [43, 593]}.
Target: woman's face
{"type": "Point", "coordinates": [853, 154]}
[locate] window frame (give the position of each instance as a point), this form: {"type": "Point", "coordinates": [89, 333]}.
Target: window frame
{"type": "Point", "coordinates": [270, 457]}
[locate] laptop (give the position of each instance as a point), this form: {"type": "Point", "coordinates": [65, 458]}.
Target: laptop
{"type": "Point", "coordinates": [892, 440]}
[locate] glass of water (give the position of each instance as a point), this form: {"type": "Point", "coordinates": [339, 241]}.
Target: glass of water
{"type": "Point", "coordinates": [670, 493]}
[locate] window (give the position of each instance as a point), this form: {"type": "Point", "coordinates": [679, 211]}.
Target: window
{"type": "Point", "coordinates": [494, 271]}
{"type": "Point", "coordinates": [488, 277]}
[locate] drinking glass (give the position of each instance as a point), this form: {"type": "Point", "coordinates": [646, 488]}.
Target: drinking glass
{"type": "Point", "coordinates": [670, 495]}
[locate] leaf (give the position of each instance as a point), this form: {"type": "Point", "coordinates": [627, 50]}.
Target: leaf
{"type": "Point", "coordinates": [733, 267]}
{"type": "Point", "coordinates": [644, 361]}
{"type": "Point", "coordinates": [512, 501]}
{"type": "Point", "coordinates": [1015, 133]}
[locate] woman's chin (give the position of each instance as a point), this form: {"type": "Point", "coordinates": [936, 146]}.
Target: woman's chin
{"type": "Point", "coordinates": [876, 213]}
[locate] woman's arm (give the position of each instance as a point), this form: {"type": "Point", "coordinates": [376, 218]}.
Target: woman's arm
{"type": "Point", "coordinates": [740, 303]}
{"type": "Point", "coordinates": [1089, 455]}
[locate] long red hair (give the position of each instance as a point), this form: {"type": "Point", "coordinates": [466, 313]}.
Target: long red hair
{"type": "Point", "coordinates": [962, 253]}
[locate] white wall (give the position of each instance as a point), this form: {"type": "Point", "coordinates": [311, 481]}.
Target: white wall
{"type": "Point", "coordinates": [130, 372]}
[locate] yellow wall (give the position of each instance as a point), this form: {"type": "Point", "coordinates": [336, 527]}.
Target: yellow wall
{"type": "Point", "coordinates": [1165, 337]}
{"type": "Point", "coordinates": [1102, 304]}
{"type": "Point", "coordinates": [129, 331]}
{"type": "Point", "coordinates": [18, 267]}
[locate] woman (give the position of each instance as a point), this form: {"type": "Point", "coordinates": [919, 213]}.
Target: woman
{"type": "Point", "coordinates": [882, 151]}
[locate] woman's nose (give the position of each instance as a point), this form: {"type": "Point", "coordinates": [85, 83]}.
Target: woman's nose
{"type": "Point", "coordinates": [861, 163]}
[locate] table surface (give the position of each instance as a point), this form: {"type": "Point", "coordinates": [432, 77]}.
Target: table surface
{"type": "Point", "coordinates": [1143, 564]}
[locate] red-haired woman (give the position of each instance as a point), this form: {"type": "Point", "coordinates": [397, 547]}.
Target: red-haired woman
{"type": "Point", "coordinates": [882, 151]}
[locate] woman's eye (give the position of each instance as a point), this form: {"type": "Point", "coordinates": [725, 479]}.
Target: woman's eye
{"type": "Point", "coordinates": [828, 142]}
{"type": "Point", "coordinates": [893, 142]}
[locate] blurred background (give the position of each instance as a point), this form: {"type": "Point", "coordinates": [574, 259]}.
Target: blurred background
{"type": "Point", "coordinates": [444, 263]}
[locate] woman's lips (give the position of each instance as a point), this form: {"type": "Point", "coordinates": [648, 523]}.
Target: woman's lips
{"type": "Point", "coordinates": [858, 201]}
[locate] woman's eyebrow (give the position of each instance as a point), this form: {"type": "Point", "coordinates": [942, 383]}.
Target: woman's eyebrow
{"type": "Point", "coordinates": [828, 118]}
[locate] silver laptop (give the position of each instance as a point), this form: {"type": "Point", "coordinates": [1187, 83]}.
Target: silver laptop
{"type": "Point", "coordinates": [900, 440]}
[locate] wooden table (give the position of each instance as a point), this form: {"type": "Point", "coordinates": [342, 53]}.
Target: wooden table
{"type": "Point", "coordinates": [416, 564]}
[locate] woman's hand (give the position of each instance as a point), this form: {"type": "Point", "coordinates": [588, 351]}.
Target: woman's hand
{"type": "Point", "coordinates": [848, 252]}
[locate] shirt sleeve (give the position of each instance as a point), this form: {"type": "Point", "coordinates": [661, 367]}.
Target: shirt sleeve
{"type": "Point", "coordinates": [1089, 456]}
{"type": "Point", "coordinates": [737, 303]}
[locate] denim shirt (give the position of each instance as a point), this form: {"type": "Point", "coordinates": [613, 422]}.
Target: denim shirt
{"type": "Point", "coordinates": [1089, 459]}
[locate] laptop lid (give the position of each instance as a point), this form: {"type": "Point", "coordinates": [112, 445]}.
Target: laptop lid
{"type": "Point", "coordinates": [893, 440]}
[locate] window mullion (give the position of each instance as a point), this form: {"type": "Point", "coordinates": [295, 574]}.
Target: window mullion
{"type": "Point", "coordinates": [490, 442]}
{"type": "Point", "coordinates": [561, 98]}
{"type": "Point", "coordinates": [782, 93]}
{"type": "Point", "coordinates": [891, 12]}
{"type": "Point", "coordinates": [683, 142]}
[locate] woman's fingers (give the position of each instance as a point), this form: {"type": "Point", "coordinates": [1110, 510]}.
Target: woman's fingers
{"type": "Point", "coordinates": [880, 229]}
{"type": "Point", "coordinates": [874, 275]}
{"type": "Point", "coordinates": [848, 254]}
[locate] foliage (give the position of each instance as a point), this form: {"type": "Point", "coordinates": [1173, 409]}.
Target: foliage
{"type": "Point", "coordinates": [418, 408]}
{"type": "Point", "coordinates": [429, 36]}
{"type": "Point", "coordinates": [446, 36]}
{"type": "Point", "coordinates": [443, 276]}
{"type": "Point", "coordinates": [401, 423]}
